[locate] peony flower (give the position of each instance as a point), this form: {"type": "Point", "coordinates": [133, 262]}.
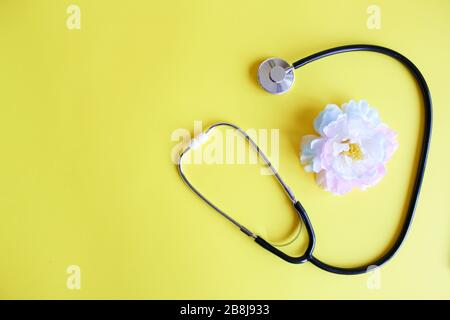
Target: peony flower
{"type": "Point", "coordinates": [352, 148]}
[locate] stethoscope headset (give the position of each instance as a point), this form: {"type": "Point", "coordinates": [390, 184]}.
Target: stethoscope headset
{"type": "Point", "coordinates": [277, 76]}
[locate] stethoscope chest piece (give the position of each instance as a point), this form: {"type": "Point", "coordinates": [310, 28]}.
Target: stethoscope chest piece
{"type": "Point", "coordinates": [275, 75]}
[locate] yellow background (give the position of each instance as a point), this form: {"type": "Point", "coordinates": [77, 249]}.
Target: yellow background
{"type": "Point", "coordinates": [86, 118]}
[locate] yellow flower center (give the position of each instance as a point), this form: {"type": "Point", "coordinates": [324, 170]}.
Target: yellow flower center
{"type": "Point", "coordinates": [354, 151]}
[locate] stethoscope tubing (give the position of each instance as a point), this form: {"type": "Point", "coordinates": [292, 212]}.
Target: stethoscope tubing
{"type": "Point", "coordinates": [308, 254]}
{"type": "Point", "coordinates": [428, 118]}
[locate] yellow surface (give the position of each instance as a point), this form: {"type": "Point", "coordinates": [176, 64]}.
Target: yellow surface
{"type": "Point", "coordinates": [86, 120]}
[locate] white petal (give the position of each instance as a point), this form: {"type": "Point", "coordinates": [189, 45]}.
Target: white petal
{"type": "Point", "coordinates": [327, 116]}
{"type": "Point", "coordinates": [338, 148]}
{"type": "Point", "coordinates": [362, 110]}
{"type": "Point", "coordinates": [374, 148]}
{"type": "Point", "coordinates": [311, 149]}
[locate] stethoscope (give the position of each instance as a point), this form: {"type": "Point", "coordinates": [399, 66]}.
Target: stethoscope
{"type": "Point", "coordinates": [277, 76]}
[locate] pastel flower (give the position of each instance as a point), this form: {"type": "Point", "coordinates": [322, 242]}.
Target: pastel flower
{"type": "Point", "coordinates": [351, 149]}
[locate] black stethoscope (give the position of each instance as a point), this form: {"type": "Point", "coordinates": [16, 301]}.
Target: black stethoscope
{"type": "Point", "coordinates": [276, 76]}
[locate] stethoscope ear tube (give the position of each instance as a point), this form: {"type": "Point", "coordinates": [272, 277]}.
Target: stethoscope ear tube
{"type": "Point", "coordinates": [311, 241]}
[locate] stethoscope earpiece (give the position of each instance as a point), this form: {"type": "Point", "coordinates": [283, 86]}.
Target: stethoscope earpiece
{"type": "Point", "coordinates": [275, 75]}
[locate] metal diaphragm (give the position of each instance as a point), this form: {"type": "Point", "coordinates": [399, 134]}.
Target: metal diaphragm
{"type": "Point", "coordinates": [275, 75]}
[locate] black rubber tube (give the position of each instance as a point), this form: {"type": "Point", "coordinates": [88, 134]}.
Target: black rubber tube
{"type": "Point", "coordinates": [312, 240]}
{"type": "Point", "coordinates": [427, 104]}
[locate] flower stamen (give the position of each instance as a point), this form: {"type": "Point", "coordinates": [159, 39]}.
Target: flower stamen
{"type": "Point", "coordinates": [354, 151]}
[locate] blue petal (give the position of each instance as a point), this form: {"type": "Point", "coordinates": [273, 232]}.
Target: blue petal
{"type": "Point", "coordinates": [327, 116]}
